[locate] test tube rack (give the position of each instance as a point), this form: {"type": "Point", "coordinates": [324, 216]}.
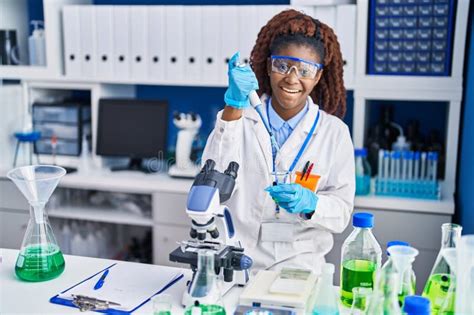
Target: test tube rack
{"type": "Point", "coordinates": [422, 189]}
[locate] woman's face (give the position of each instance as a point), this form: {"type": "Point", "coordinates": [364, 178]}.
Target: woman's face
{"type": "Point", "coordinates": [289, 93]}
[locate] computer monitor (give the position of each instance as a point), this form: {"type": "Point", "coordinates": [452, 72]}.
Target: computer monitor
{"type": "Point", "coordinates": [132, 128]}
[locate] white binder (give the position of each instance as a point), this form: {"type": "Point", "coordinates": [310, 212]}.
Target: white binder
{"type": "Point", "coordinates": [327, 15]}
{"type": "Point", "coordinates": [121, 38]}
{"type": "Point", "coordinates": [104, 41]}
{"type": "Point", "coordinates": [346, 34]}
{"type": "Point", "coordinates": [229, 24]}
{"type": "Point", "coordinates": [249, 27]}
{"type": "Point", "coordinates": [138, 41]}
{"type": "Point", "coordinates": [72, 39]}
{"type": "Point", "coordinates": [156, 43]}
{"type": "Point", "coordinates": [174, 44]}
{"type": "Point", "coordinates": [211, 45]}
{"type": "Point", "coordinates": [88, 42]}
{"type": "Point", "coordinates": [192, 46]}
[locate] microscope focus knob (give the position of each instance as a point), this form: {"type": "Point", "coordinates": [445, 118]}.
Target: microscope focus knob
{"type": "Point", "coordinates": [193, 233]}
{"type": "Point", "coordinates": [245, 262]}
{"type": "Point", "coordinates": [201, 236]}
{"type": "Point", "coordinates": [214, 233]}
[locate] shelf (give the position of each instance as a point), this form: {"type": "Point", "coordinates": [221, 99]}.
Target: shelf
{"type": "Point", "coordinates": [107, 215]}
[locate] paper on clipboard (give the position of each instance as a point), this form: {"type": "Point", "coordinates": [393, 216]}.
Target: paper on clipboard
{"type": "Point", "coordinates": [129, 285]}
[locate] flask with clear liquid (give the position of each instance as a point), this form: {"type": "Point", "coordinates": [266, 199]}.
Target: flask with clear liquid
{"type": "Point", "coordinates": [205, 292]}
{"type": "Point", "coordinates": [40, 257]}
{"type": "Point", "coordinates": [437, 288]}
{"type": "Point", "coordinates": [361, 257]}
{"type": "Point", "coordinates": [325, 296]}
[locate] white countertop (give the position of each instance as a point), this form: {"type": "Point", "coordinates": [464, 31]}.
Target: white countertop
{"type": "Point", "coordinates": [19, 297]}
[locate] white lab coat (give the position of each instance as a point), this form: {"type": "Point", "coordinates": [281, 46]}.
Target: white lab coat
{"type": "Point", "coordinates": [246, 141]}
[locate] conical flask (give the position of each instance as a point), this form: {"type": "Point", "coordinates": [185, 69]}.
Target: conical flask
{"type": "Point", "coordinates": [437, 288]}
{"type": "Point", "coordinates": [465, 270]}
{"type": "Point", "coordinates": [40, 258]}
{"type": "Point", "coordinates": [205, 291]}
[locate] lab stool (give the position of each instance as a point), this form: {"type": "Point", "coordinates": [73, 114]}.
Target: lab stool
{"type": "Point", "coordinates": [26, 138]}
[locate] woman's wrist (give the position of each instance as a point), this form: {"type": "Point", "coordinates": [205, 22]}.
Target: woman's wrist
{"type": "Point", "coordinates": [231, 113]}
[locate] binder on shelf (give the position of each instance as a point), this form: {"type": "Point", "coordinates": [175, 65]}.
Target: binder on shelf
{"type": "Point", "coordinates": [346, 35]}
{"type": "Point", "coordinates": [174, 43]}
{"type": "Point", "coordinates": [72, 48]}
{"type": "Point", "coordinates": [125, 288]}
{"type": "Point", "coordinates": [156, 40]}
{"type": "Point", "coordinates": [121, 40]}
{"type": "Point", "coordinates": [104, 41]}
{"type": "Point", "coordinates": [249, 26]}
{"type": "Point", "coordinates": [229, 24]}
{"type": "Point", "coordinates": [87, 40]}
{"type": "Point", "coordinates": [138, 41]}
{"type": "Point", "coordinates": [192, 43]}
{"type": "Point", "coordinates": [327, 15]}
{"type": "Point", "coordinates": [211, 45]}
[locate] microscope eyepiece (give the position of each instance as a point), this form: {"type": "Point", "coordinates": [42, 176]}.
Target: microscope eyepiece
{"type": "Point", "coordinates": [232, 169]}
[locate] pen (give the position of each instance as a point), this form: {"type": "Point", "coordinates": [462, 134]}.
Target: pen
{"type": "Point", "coordinates": [309, 171]}
{"type": "Point", "coordinates": [100, 282]}
{"type": "Point", "coordinates": [305, 168]}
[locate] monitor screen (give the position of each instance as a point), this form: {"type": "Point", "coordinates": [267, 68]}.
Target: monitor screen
{"type": "Point", "coordinates": [132, 128]}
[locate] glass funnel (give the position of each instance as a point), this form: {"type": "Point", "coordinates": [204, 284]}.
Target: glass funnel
{"type": "Point", "coordinates": [40, 258]}
{"type": "Point", "coordinates": [437, 288]}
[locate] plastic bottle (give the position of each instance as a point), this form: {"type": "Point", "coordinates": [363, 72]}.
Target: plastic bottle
{"type": "Point", "coordinates": [416, 305]}
{"type": "Point", "coordinates": [408, 285]}
{"type": "Point", "coordinates": [36, 45]}
{"type": "Point", "coordinates": [363, 172]}
{"type": "Point", "coordinates": [361, 257]}
{"type": "Point", "coordinates": [84, 166]}
{"type": "Point", "coordinates": [326, 299]}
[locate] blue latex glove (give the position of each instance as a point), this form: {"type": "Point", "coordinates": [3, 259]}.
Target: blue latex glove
{"type": "Point", "coordinates": [293, 197]}
{"type": "Point", "coordinates": [242, 81]}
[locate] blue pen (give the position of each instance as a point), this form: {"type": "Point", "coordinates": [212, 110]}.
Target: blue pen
{"type": "Point", "coordinates": [101, 281]}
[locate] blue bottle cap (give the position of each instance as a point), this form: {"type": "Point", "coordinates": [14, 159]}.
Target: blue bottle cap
{"type": "Point", "coordinates": [363, 220]}
{"type": "Point", "coordinates": [360, 152]}
{"type": "Point", "coordinates": [393, 243]}
{"type": "Point", "coordinates": [417, 155]}
{"type": "Point", "coordinates": [417, 305]}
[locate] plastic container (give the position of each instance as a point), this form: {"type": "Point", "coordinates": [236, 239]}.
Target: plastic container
{"type": "Point", "coordinates": [36, 45]}
{"type": "Point", "coordinates": [363, 172]}
{"type": "Point", "coordinates": [361, 257]}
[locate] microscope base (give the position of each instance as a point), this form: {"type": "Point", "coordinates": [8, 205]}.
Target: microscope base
{"type": "Point", "coordinates": [189, 172]}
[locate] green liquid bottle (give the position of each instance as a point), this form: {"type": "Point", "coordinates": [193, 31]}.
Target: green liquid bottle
{"type": "Point", "coordinates": [356, 273]}
{"type": "Point", "coordinates": [361, 257]}
{"type": "Point", "coordinates": [39, 263]}
{"type": "Point", "coordinates": [206, 309]}
{"type": "Point", "coordinates": [438, 290]}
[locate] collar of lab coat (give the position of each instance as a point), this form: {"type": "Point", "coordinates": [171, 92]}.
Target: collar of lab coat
{"type": "Point", "coordinates": [306, 122]}
{"type": "Point", "coordinates": [295, 139]}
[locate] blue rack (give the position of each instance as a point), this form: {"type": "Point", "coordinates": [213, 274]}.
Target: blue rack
{"type": "Point", "coordinates": [410, 37]}
{"type": "Point", "coordinates": [422, 189]}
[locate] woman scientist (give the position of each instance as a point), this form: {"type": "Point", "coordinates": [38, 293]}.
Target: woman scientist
{"type": "Point", "coordinates": [297, 69]}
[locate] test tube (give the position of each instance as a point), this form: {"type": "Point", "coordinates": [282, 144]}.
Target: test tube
{"type": "Point", "coordinates": [423, 165]}
{"type": "Point", "coordinates": [410, 165]}
{"type": "Point", "coordinates": [434, 170]}
{"type": "Point", "coordinates": [386, 164]}
{"type": "Point", "coordinates": [392, 165]}
{"type": "Point", "coordinates": [397, 156]}
{"type": "Point", "coordinates": [404, 165]}
{"type": "Point", "coordinates": [429, 166]}
{"type": "Point", "coordinates": [416, 173]}
{"type": "Point", "coordinates": [380, 166]}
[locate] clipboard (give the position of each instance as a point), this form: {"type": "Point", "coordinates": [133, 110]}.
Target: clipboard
{"type": "Point", "coordinates": [126, 288]}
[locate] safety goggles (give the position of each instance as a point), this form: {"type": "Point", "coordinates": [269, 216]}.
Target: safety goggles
{"type": "Point", "coordinates": [304, 69]}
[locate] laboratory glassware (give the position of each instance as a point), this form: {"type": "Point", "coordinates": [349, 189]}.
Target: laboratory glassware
{"type": "Point", "coordinates": [326, 301]}
{"type": "Point", "coordinates": [360, 300]}
{"type": "Point", "coordinates": [385, 300]}
{"type": "Point", "coordinates": [441, 276]}
{"type": "Point", "coordinates": [402, 257]}
{"type": "Point", "coordinates": [361, 256]}
{"type": "Point", "coordinates": [408, 284]}
{"type": "Point", "coordinates": [162, 304]}
{"type": "Point", "coordinates": [205, 290]}
{"type": "Point", "coordinates": [363, 172]}
{"type": "Point", "coordinates": [416, 305]}
{"type": "Point", "coordinates": [40, 257]}
{"type": "Point", "coordinates": [465, 283]}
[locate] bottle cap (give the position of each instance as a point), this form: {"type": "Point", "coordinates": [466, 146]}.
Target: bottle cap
{"type": "Point", "coordinates": [360, 152]}
{"type": "Point", "coordinates": [363, 220]}
{"type": "Point", "coordinates": [415, 304]}
{"type": "Point", "coordinates": [393, 243]}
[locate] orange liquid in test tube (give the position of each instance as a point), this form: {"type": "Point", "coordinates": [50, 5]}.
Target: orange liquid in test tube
{"type": "Point", "coordinates": [311, 182]}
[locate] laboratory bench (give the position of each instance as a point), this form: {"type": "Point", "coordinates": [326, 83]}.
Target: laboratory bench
{"type": "Point", "coordinates": [415, 221]}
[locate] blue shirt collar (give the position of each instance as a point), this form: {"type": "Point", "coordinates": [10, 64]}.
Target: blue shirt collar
{"type": "Point", "coordinates": [277, 122]}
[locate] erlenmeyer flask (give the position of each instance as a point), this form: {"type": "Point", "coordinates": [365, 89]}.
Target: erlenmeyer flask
{"type": "Point", "coordinates": [441, 277]}
{"type": "Point", "coordinates": [360, 300]}
{"type": "Point", "coordinates": [465, 270]}
{"type": "Point", "coordinates": [40, 258]}
{"type": "Point", "coordinates": [205, 291]}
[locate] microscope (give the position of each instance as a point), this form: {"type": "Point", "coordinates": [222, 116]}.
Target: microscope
{"type": "Point", "coordinates": [188, 125]}
{"type": "Point", "coordinates": [204, 206]}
